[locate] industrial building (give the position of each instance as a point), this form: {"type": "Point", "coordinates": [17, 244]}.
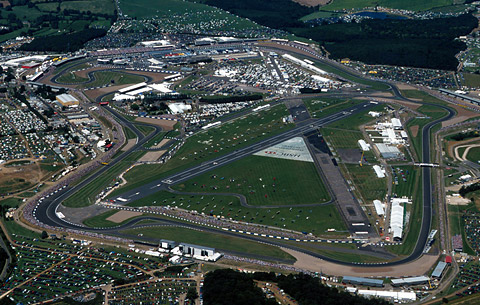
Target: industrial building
{"type": "Point", "coordinates": [389, 151]}
{"type": "Point", "coordinates": [362, 281]}
{"type": "Point", "coordinates": [439, 270]}
{"type": "Point", "coordinates": [196, 252]}
{"type": "Point", "coordinates": [417, 280]}
{"type": "Point", "coordinates": [67, 100]}
{"type": "Point", "coordinates": [395, 296]}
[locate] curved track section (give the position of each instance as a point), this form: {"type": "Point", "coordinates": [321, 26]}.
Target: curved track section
{"type": "Point", "coordinates": [45, 211]}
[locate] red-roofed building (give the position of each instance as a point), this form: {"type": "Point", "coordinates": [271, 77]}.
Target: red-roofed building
{"type": "Point", "coordinates": [448, 259]}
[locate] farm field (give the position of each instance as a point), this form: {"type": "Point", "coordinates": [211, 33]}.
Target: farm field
{"type": "Point", "coordinates": [264, 181]}
{"type": "Point", "coordinates": [304, 219]}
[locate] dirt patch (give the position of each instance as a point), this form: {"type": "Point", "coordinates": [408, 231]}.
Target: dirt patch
{"type": "Point", "coordinates": [415, 268]}
{"type": "Point", "coordinates": [122, 216]}
{"type": "Point", "coordinates": [152, 156]}
{"type": "Point", "coordinates": [405, 87]}
{"type": "Point", "coordinates": [454, 120]}
{"type": "Point", "coordinates": [312, 2]}
{"type": "Point", "coordinates": [130, 144]}
{"type": "Point", "coordinates": [457, 200]}
{"type": "Point", "coordinates": [14, 178]}
{"type": "Point", "coordinates": [159, 145]}
{"type": "Point", "coordinates": [166, 125]}
{"type": "Point", "coordinates": [414, 130]}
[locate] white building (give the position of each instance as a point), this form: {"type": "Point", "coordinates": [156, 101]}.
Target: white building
{"type": "Point", "coordinates": [396, 124]}
{"type": "Point", "coordinates": [398, 296]}
{"type": "Point", "coordinates": [364, 145]}
{"type": "Point", "coordinates": [396, 218]}
{"type": "Point", "coordinates": [380, 172]}
{"type": "Point", "coordinates": [379, 207]}
{"type": "Point", "coordinates": [176, 108]}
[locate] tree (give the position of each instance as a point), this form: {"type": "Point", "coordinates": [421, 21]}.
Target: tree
{"type": "Point", "coordinates": [44, 234]}
{"type": "Point", "coordinates": [445, 300]}
{"type": "Point", "coordinates": [192, 294]}
{"type": "Point", "coordinates": [134, 107]}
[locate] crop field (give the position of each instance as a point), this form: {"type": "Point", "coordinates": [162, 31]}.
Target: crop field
{"type": "Point", "coordinates": [217, 241]}
{"type": "Point", "coordinates": [367, 182]}
{"type": "Point", "coordinates": [316, 219]}
{"type": "Point", "coordinates": [264, 181]}
{"type": "Point", "coordinates": [398, 4]}
{"type": "Point", "coordinates": [213, 143]}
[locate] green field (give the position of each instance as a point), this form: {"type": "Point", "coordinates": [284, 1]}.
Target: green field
{"type": "Point", "coordinates": [320, 107]}
{"type": "Point", "coordinates": [11, 202]}
{"type": "Point", "coordinates": [406, 188]}
{"type": "Point", "coordinates": [103, 78]}
{"type": "Point", "coordinates": [217, 241]}
{"type": "Point", "coordinates": [213, 143]}
{"type": "Point", "coordinates": [86, 195]}
{"type": "Point", "coordinates": [306, 219]}
{"type": "Point", "coordinates": [353, 122]}
{"type": "Point", "coordinates": [367, 182]}
{"type": "Point", "coordinates": [341, 138]}
{"type": "Point", "coordinates": [264, 181]}
{"type": "Point", "coordinates": [100, 220]}
{"type": "Point", "coordinates": [71, 78]}
{"type": "Point", "coordinates": [474, 154]}
{"type": "Point", "coordinates": [471, 80]}
{"type": "Point", "coordinates": [456, 222]}
{"type": "Point", "coordinates": [398, 4]}
{"type": "Point", "coordinates": [96, 10]}
{"type": "Point", "coordinates": [191, 13]}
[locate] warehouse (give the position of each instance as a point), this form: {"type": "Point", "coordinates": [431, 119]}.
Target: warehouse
{"type": "Point", "coordinates": [67, 100]}
{"type": "Point", "coordinates": [362, 281]}
{"type": "Point", "coordinates": [439, 270]}
{"type": "Point", "coordinates": [196, 252]}
{"type": "Point", "coordinates": [396, 296]}
{"type": "Point", "coordinates": [417, 280]}
{"type": "Point", "coordinates": [388, 151]}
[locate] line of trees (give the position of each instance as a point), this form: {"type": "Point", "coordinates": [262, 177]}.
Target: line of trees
{"type": "Point", "coordinates": [226, 286]}
{"type": "Point", "coordinates": [63, 42]}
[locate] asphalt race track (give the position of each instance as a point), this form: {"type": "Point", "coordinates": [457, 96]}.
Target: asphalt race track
{"type": "Point", "coordinates": [45, 211]}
